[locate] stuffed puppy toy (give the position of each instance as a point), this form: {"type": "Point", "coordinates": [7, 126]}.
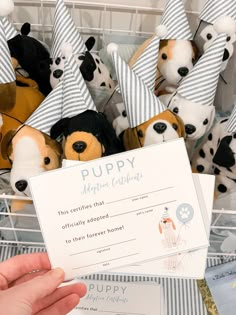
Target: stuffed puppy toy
{"type": "Point", "coordinates": [33, 57]}
{"type": "Point", "coordinates": [193, 100]}
{"type": "Point", "coordinates": [145, 69]}
{"type": "Point", "coordinates": [178, 53]}
{"type": "Point", "coordinates": [17, 103]}
{"type": "Point", "coordinates": [29, 147]}
{"type": "Point", "coordinates": [87, 136]}
{"type": "Point", "coordinates": [217, 156]}
{"type": "Point", "coordinates": [150, 122]}
{"type": "Point", "coordinates": [94, 71]}
{"type": "Point", "coordinates": [215, 15]}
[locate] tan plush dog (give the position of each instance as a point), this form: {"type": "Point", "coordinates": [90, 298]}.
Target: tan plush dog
{"type": "Point", "coordinates": [175, 60]}
{"type": "Point", "coordinates": [162, 127]}
{"type": "Point", "coordinates": [17, 103]}
{"type": "Point", "coordinates": [31, 152]}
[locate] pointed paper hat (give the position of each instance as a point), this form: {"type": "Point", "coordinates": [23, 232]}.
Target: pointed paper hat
{"type": "Point", "coordinates": [215, 9]}
{"type": "Point", "coordinates": [64, 31]}
{"type": "Point", "coordinates": [231, 124]}
{"type": "Point", "coordinates": [200, 84]}
{"type": "Point", "coordinates": [76, 96]}
{"type": "Point", "coordinates": [165, 213]}
{"type": "Point", "coordinates": [146, 65]}
{"type": "Point", "coordinates": [176, 21]}
{"type": "Point", "coordinates": [9, 29]}
{"type": "Point", "coordinates": [7, 73]}
{"type": "Point", "coordinates": [49, 112]}
{"type": "Point", "coordinates": [141, 104]}
{"type": "Point", "coordinates": [6, 8]}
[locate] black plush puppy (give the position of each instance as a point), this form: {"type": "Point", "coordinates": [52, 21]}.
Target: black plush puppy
{"type": "Point", "coordinates": [87, 136]}
{"type": "Point", "coordinates": [33, 57]}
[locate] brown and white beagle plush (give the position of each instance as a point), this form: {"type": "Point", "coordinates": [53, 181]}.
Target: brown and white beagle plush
{"type": "Point", "coordinates": [160, 128]}
{"type": "Point", "coordinates": [30, 152]}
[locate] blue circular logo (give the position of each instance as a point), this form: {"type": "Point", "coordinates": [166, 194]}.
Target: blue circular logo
{"type": "Point", "coordinates": [184, 213]}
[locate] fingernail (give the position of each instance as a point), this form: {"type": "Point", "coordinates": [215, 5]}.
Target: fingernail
{"type": "Point", "coordinates": [58, 273]}
{"type": "Point", "coordinates": [83, 290]}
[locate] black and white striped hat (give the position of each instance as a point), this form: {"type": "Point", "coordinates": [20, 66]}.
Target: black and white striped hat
{"type": "Point", "coordinates": [7, 73]}
{"type": "Point", "coordinates": [141, 104]}
{"type": "Point", "coordinates": [9, 29]}
{"type": "Point", "coordinates": [200, 84]}
{"type": "Point", "coordinates": [214, 9]}
{"type": "Point", "coordinates": [175, 19]}
{"type": "Point", "coordinates": [231, 124]}
{"type": "Point", "coordinates": [64, 31]}
{"type": "Point", "coordinates": [76, 96]}
{"type": "Point", "coordinates": [49, 111]}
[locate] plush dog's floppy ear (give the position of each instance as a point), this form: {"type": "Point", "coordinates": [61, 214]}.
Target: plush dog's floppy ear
{"type": "Point", "coordinates": [59, 128]}
{"type": "Point", "coordinates": [109, 139]}
{"type": "Point", "coordinates": [195, 51]}
{"type": "Point", "coordinates": [160, 228]}
{"type": "Point", "coordinates": [173, 225]}
{"type": "Point", "coordinates": [90, 42]}
{"type": "Point", "coordinates": [25, 29]}
{"type": "Point", "coordinates": [6, 145]}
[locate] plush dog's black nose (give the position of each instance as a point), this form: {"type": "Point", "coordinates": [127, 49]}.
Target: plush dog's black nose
{"type": "Point", "coordinates": [164, 221]}
{"type": "Point", "coordinates": [160, 127]}
{"type": "Point", "coordinates": [79, 146]}
{"type": "Point", "coordinates": [183, 71]}
{"type": "Point", "coordinates": [57, 73]}
{"type": "Point", "coordinates": [226, 54]}
{"type": "Point", "coordinates": [190, 129]}
{"type": "Point", "coordinates": [21, 185]}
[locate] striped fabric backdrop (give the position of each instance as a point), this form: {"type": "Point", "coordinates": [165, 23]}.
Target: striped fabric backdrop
{"type": "Point", "coordinates": [201, 83]}
{"type": "Point", "coordinates": [214, 9]}
{"type": "Point", "coordinates": [6, 70]}
{"type": "Point", "coordinates": [76, 96]}
{"type": "Point", "coordinates": [64, 31]}
{"type": "Point", "coordinates": [175, 19]}
{"type": "Point", "coordinates": [182, 296]}
{"type": "Point", "coordinates": [9, 29]}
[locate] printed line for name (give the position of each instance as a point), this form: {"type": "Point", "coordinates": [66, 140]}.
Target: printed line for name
{"type": "Point", "coordinates": [148, 193]}
{"type": "Point", "coordinates": [105, 261]}
{"type": "Point", "coordinates": [121, 312]}
{"type": "Point", "coordinates": [90, 250]}
{"type": "Point", "coordinates": [158, 204]}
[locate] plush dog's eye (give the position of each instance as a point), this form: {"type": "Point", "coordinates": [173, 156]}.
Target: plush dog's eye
{"type": "Point", "coordinates": [174, 126]}
{"type": "Point", "coordinates": [164, 56]}
{"type": "Point", "coordinates": [209, 36]}
{"type": "Point", "coordinates": [124, 114]}
{"type": "Point", "coordinates": [205, 122]}
{"type": "Point", "coordinates": [175, 110]}
{"type": "Point", "coordinates": [140, 133]}
{"type": "Point", "coordinates": [47, 160]}
{"type": "Point", "coordinates": [228, 38]}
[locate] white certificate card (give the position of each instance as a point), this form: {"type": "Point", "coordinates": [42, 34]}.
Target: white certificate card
{"type": "Point", "coordinates": [119, 210]}
{"type": "Point", "coordinates": [109, 298]}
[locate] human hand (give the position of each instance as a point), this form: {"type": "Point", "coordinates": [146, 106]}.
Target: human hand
{"type": "Point", "coordinates": [28, 286]}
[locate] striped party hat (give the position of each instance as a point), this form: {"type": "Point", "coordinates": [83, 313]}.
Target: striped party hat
{"type": "Point", "coordinates": [231, 124]}
{"type": "Point", "coordinates": [141, 104]}
{"type": "Point", "coordinates": [49, 112]}
{"type": "Point", "coordinates": [9, 29]}
{"type": "Point", "coordinates": [215, 9]}
{"type": "Point", "coordinates": [176, 21]}
{"type": "Point", "coordinates": [7, 73]}
{"type": "Point", "coordinates": [146, 65]}
{"type": "Point", "coordinates": [64, 31]}
{"type": "Point", "coordinates": [200, 84]}
{"type": "Point", "coordinates": [76, 96]}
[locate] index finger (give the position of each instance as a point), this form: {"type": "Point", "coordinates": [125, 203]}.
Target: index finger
{"type": "Point", "coordinates": [20, 265]}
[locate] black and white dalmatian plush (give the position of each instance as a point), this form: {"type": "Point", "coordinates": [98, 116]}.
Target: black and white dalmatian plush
{"type": "Point", "coordinates": [93, 70]}
{"type": "Point", "coordinates": [217, 156]}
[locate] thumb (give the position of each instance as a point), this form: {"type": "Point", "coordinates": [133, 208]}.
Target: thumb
{"type": "Point", "coordinates": [39, 287]}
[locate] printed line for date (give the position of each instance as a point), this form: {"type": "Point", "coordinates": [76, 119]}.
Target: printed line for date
{"type": "Point", "coordinates": [159, 204]}
{"type": "Point", "coordinates": [147, 193]}
{"type": "Point", "coordinates": [106, 261]}
{"type": "Point", "coordinates": [123, 313]}
{"type": "Point", "coordinates": [91, 250]}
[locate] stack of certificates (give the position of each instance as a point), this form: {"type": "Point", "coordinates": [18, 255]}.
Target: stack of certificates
{"type": "Point", "coordinates": [138, 212]}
